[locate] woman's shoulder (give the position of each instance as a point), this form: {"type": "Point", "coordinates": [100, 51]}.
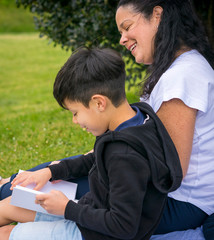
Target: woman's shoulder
{"type": "Point", "coordinates": [190, 78]}
{"type": "Point", "coordinates": [190, 67]}
{"type": "Point", "coordinates": [190, 62]}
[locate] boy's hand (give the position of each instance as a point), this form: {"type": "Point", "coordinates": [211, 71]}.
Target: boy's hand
{"type": "Point", "coordinates": [54, 202]}
{"type": "Point", "coordinates": [39, 178]}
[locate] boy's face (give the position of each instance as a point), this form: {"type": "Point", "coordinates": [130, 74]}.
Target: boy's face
{"type": "Point", "coordinates": [89, 118]}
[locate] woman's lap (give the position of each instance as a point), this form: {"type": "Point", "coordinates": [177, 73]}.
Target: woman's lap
{"type": "Point", "coordinates": [82, 188]}
{"type": "Point", "coordinates": [179, 220]}
{"type": "Point", "coordinates": [180, 216]}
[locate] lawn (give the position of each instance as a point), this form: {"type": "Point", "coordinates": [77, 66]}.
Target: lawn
{"type": "Point", "coordinates": [13, 19]}
{"type": "Point", "coordinates": [33, 128]}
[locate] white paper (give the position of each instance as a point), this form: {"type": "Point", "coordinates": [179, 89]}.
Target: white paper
{"type": "Point", "coordinates": [25, 197]}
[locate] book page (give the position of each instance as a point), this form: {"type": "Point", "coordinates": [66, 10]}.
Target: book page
{"type": "Point", "coordinates": [25, 197]}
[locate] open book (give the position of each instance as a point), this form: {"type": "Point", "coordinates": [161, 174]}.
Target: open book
{"type": "Point", "coordinates": [24, 197]}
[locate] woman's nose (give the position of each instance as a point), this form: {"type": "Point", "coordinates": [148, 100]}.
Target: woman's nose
{"type": "Point", "coordinates": [123, 39]}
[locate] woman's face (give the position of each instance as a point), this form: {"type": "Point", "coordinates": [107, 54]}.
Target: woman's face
{"type": "Point", "coordinates": [137, 33]}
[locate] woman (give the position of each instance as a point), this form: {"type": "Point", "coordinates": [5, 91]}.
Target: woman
{"type": "Point", "coordinates": [167, 35]}
{"type": "Point", "coordinates": [180, 84]}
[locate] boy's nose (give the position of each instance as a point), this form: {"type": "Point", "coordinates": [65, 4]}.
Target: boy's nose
{"type": "Point", "coordinates": [75, 120]}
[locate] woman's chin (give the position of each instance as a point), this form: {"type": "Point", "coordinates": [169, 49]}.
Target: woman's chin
{"type": "Point", "coordinates": [139, 60]}
{"type": "Point", "coordinates": [143, 60]}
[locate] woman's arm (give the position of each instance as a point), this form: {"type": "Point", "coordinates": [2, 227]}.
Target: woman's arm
{"type": "Point", "coordinates": [179, 120]}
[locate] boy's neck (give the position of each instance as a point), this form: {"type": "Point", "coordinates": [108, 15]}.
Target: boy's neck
{"type": "Point", "coordinates": [120, 114]}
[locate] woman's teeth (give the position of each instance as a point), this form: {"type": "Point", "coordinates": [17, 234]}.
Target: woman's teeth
{"type": "Point", "coordinates": [133, 46]}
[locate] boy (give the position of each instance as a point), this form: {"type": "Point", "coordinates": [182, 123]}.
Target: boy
{"type": "Point", "coordinates": [133, 167]}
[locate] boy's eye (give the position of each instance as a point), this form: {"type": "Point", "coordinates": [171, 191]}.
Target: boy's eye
{"type": "Point", "coordinates": [75, 114]}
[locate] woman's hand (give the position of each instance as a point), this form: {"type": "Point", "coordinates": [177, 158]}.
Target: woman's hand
{"type": "Point", "coordinates": [179, 120]}
{"type": "Point", "coordinates": [39, 178]}
{"type": "Point", "coordinates": [54, 202]}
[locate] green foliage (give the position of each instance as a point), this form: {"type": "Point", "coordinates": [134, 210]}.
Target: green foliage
{"type": "Point", "coordinates": [205, 10]}
{"type": "Point", "coordinates": [73, 23]}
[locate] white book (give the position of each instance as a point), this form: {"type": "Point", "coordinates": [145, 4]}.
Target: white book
{"type": "Point", "coordinates": [25, 197]}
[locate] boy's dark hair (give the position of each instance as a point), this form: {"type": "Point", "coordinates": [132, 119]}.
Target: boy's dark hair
{"type": "Point", "coordinates": [88, 72]}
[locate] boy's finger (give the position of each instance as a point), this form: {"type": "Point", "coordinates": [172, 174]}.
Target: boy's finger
{"type": "Point", "coordinates": [26, 182]}
{"type": "Point", "coordinates": [41, 197]}
{"type": "Point", "coordinates": [17, 180]}
{"type": "Point", "coordinates": [38, 186]}
{"type": "Point", "coordinates": [14, 183]}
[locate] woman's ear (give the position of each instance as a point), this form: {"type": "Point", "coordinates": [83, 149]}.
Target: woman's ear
{"type": "Point", "coordinates": [157, 12]}
{"type": "Point", "coordinates": [100, 102]}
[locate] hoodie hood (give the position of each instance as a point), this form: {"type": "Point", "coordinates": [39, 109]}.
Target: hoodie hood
{"type": "Point", "coordinates": [153, 142]}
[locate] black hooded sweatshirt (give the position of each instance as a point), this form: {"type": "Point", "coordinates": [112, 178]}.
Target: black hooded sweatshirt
{"type": "Point", "coordinates": [130, 174]}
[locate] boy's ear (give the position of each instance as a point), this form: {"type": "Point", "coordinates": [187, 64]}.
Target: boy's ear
{"type": "Point", "coordinates": [99, 101]}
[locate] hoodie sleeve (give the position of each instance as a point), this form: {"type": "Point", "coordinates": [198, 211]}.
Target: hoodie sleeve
{"type": "Point", "coordinates": [127, 187]}
{"type": "Point", "coordinates": [72, 168]}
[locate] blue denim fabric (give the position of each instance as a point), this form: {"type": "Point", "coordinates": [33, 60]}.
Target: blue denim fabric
{"type": "Point", "coordinates": [46, 227]}
{"type": "Point", "coordinates": [82, 188]}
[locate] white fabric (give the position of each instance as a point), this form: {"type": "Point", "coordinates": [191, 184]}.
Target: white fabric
{"type": "Point", "coordinates": [191, 79]}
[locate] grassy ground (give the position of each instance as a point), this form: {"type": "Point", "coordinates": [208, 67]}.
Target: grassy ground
{"type": "Point", "coordinates": [33, 128]}
{"type": "Point", "coordinates": [13, 19]}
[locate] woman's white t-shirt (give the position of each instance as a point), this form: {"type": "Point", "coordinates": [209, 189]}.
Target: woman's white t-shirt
{"type": "Point", "coordinates": [191, 79]}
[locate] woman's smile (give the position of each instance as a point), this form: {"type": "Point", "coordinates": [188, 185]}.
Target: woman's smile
{"type": "Point", "coordinates": [137, 33]}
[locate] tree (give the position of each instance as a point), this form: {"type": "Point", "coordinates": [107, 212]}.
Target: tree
{"type": "Point", "coordinates": [72, 23]}
{"type": "Point", "coordinates": [205, 11]}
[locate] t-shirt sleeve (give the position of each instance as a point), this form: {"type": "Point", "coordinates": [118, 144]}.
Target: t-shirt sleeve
{"type": "Point", "coordinates": [189, 83]}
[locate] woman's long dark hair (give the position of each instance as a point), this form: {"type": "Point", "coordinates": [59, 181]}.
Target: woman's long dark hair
{"type": "Point", "coordinates": [179, 27]}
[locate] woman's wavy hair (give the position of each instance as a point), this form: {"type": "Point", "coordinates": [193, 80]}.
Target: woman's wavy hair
{"type": "Point", "coordinates": [179, 27]}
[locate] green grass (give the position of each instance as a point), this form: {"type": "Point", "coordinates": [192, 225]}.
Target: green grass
{"type": "Point", "coordinates": [13, 19]}
{"type": "Point", "coordinates": [33, 128]}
